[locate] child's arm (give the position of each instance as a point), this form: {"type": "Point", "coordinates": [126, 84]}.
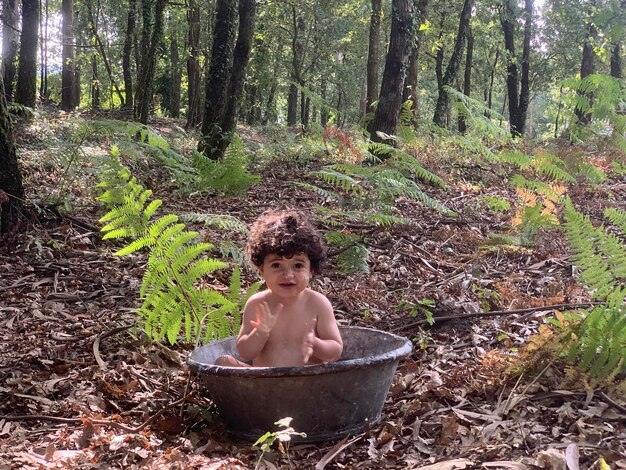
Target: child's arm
{"type": "Point", "coordinates": [258, 322]}
{"type": "Point", "coordinates": [324, 341]}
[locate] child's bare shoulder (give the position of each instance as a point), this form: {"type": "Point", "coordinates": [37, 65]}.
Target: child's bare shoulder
{"type": "Point", "coordinates": [319, 299]}
{"type": "Point", "coordinates": [258, 298]}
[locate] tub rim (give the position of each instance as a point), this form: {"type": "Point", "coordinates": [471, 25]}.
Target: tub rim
{"type": "Point", "coordinates": [396, 354]}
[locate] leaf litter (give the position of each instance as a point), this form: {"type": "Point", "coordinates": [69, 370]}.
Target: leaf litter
{"type": "Point", "coordinates": [82, 387]}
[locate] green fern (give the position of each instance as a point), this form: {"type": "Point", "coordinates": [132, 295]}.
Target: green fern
{"type": "Point", "coordinates": [352, 255]}
{"type": "Point", "coordinates": [171, 292]}
{"type": "Point", "coordinates": [598, 343]}
{"type": "Point", "coordinates": [229, 175]}
{"type": "Point", "coordinates": [616, 217]}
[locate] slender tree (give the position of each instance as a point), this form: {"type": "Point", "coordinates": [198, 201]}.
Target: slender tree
{"type": "Point", "coordinates": [126, 56]}
{"type": "Point", "coordinates": [518, 91]}
{"type": "Point", "coordinates": [373, 55]}
{"type": "Point", "coordinates": [390, 100]}
{"type": "Point", "coordinates": [410, 85]}
{"type": "Point", "coordinates": [467, 76]}
{"type": "Point", "coordinates": [218, 76]}
{"type": "Point", "coordinates": [175, 73]}
{"type": "Point", "coordinates": [11, 188]}
{"type": "Point", "coordinates": [215, 143]}
{"type": "Point", "coordinates": [10, 43]}
{"type": "Point", "coordinates": [587, 67]}
{"type": "Point", "coordinates": [448, 78]}
{"type": "Point", "coordinates": [67, 55]}
{"type": "Point", "coordinates": [26, 89]}
{"type": "Point", "coordinates": [194, 108]}
{"type": "Point", "coordinates": [151, 37]}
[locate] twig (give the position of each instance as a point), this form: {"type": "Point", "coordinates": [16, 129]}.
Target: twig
{"type": "Point", "coordinates": [494, 313]}
{"type": "Point", "coordinates": [100, 337]}
{"type": "Point", "coordinates": [98, 422]}
{"type": "Point", "coordinates": [612, 402]}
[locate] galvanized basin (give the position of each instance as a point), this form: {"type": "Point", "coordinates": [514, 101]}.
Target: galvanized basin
{"type": "Point", "coordinates": [326, 401]}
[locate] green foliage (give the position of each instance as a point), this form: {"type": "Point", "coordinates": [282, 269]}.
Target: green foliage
{"type": "Point", "coordinates": [617, 217]}
{"type": "Point", "coordinates": [172, 291]}
{"type": "Point", "coordinates": [603, 97]}
{"type": "Point", "coordinates": [497, 204]}
{"type": "Point", "coordinates": [283, 436]}
{"type": "Point", "coordinates": [352, 255]}
{"type": "Point", "coordinates": [230, 174]}
{"type": "Point", "coordinates": [419, 307]}
{"type": "Point", "coordinates": [597, 343]}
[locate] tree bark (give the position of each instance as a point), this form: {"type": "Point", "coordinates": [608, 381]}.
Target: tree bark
{"type": "Point", "coordinates": [373, 55]}
{"type": "Point", "coordinates": [587, 67]}
{"type": "Point", "coordinates": [218, 76]}
{"type": "Point", "coordinates": [194, 109]}
{"type": "Point", "coordinates": [44, 93]}
{"type": "Point", "coordinates": [390, 100]}
{"type": "Point", "coordinates": [524, 94]}
{"type": "Point", "coordinates": [95, 85]}
{"type": "Point", "coordinates": [241, 55]}
{"type": "Point", "coordinates": [467, 76]}
{"type": "Point", "coordinates": [148, 62]}
{"type": "Point", "coordinates": [11, 188]}
{"type": "Point", "coordinates": [616, 61]}
{"type": "Point", "coordinates": [441, 108]}
{"type": "Point", "coordinates": [126, 56]}
{"type": "Point", "coordinates": [67, 66]}
{"type": "Point", "coordinates": [410, 86]}
{"type": "Point", "coordinates": [26, 89]}
{"type": "Point", "coordinates": [10, 42]}
{"type": "Point", "coordinates": [175, 74]}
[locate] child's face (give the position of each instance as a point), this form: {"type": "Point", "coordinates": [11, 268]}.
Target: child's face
{"type": "Point", "coordinates": [286, 277]}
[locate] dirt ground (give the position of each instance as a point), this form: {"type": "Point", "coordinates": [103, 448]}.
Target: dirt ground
{"type": "Point", "coordinates": [81, 387]}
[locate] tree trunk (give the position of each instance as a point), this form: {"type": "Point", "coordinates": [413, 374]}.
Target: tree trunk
{"type": "Point", "coordinates": [292, 105]}
{"type": "Point", "coordinates": [324, 111]}
{"type": "Point", "coordinates": [410, 86]}
{"type": "Point", "coordinates": [26, 89]}
{"type": "Point", "coordinates": [390, 101]}
{"type": "Point", "coordinates": [67, 66]}
{"type": "Point", "coordinates": [491, 79]}
{"type": "Point", "coordinates": [467, 76]}
{"type": "Point", "coordinates": [587, 67]}
{"type": "Point", "coordinates": [126, 56]}
{"type": "Point", "coordinates": [441, 108]}
{"type": "Point", "coordinates": [93, 26]}
{"type": "Point", "coordinates": [194, 109]}
{"type": "Point", "coordinates": [44, 92]}
{"type": "Point", "coordinates": [524, 94]}
{"type": "Point", "coordinates": [241, 54]}
{"type": "Point", "coordinates": [175, 74]}
{"type": "Point", "coordinates": [373, 55]}
{"type": "Point", "coordinates": [77, 70]}
{"type": "Point", "coordinates": [11, 189]}
{"type": "Point", "coordinates": [218, 77]}
{"type": "Point", "coordinates": [616, 61]}
{"type": "Point", "coordinates": [10, 42]}
{"type": "Point", "coordinates": [95, 85]}
{"type": "Point", "coordinates": [297, 61]}
{"type": "Point", "coordinates": [508, 21]}
{"type": "Point", "coordinates": [148, 63]}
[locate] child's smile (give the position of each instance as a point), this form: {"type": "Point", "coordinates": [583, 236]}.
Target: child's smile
{"type": "Point", "coordinates": [286, 276]}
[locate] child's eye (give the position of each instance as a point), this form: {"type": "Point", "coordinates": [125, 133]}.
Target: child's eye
{"type": "Point", "coordinates": [275, 265]}
{"type": "Point", "coordinates": [299, 265]}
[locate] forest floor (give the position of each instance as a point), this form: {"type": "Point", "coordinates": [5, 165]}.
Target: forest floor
{"type": "Point", "coordinates": [81, 388]}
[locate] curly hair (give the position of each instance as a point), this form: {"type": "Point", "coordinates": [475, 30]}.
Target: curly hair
{"type": "Point", "coordinates": [285, 233]}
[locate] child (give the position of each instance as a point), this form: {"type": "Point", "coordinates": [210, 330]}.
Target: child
{"type": "Point", "coordinates": [288, 324]}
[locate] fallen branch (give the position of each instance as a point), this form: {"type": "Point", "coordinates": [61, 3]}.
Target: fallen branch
{"type": "Point", "coordinates": [494, 313]}
{"type": "Point", "coordinates": [98, 422]}
{"type": "Point", "coordinates": [100, 337]}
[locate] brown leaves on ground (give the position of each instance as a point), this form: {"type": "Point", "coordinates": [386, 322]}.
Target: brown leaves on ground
{"type": "Point", "coordinates": [80, 387]}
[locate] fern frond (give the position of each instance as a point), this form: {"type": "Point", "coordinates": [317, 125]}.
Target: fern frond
{"type": "Point", "coordinates": [616, 217]}
{"type": "Point", "coordinates": [222, 221]}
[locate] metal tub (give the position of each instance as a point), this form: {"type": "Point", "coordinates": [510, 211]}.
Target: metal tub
{"type": "Point", "coordinates": [326, 401]}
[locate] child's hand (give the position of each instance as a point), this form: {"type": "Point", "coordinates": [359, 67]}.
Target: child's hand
{"type": "Point", "coordinates": [307, 345]}
{"type": "Point", "coordinates": [265, 318]}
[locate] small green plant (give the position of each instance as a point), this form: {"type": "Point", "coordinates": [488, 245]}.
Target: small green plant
{"type": "Point", "coordinates": [496, 204]}
{"type": "Point", "coordinates": [423, 307]}
{"type": "Point", "coordinates": [282, 436]}
{"type": "Point", "coordinates": [172, 291]}
{"type": "Point", "coordinates": [595, 344]}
